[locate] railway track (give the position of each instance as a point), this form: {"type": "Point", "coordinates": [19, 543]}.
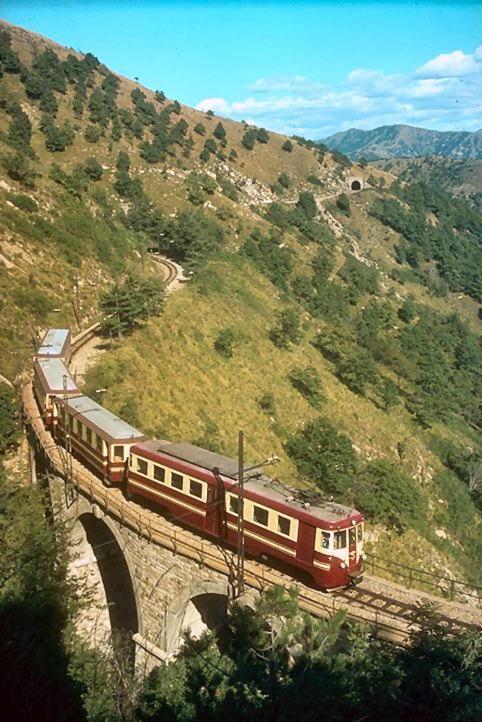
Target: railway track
{"type": "Point", "coordinates": [171, 271]}
{"type": "Point", "coordinates": [388, 611]}
{"type": "Point", "coordinates": [387, 614]}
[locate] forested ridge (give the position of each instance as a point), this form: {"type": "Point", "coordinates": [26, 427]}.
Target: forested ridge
{"type": "Point", "coordinates": [343, 328]}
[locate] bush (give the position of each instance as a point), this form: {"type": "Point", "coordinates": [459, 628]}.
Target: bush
{"type": "Point", "coordinates": [92, 133]}
{"type": "Point", "coordinates": [343, 203]}
{"type": "Point", "coordinates": [210, 145]}
{"type": "Point", "coordinates": [323, 455]}
{"type": "Point", "coordinates": [25, 203]}
{"type": "Point", "coordinates": [388, 495]}
{"type": "Point", "coordinates": [284, 180]}
{"type": "Point", "coordinates": [200, 129]}
{"type": "Point", "coordinates": [93, 169]}
{"type": "Point", "coordinates": [219, 132]}
{"type": "Point", "coordinates": [357, 372]}
{"type": "Point", "coordinates": [9, 417]}
{"type": "Point", "coordinates": [225, 342]}
{"type": "Point", "coordinates": [262, 135]}
{"type": "Point", "coordinates": [267, 404]}
{"type": "Point", "coordinates": [287, 146]}
{"type": "Point", "coordinates": [288, 329]}
{"type": "Point", "coordinates": [307, 381]}
{"type": "Point", "coordinates": [19, 169]}
{"type": "Point", "coordinates": [249, 139]}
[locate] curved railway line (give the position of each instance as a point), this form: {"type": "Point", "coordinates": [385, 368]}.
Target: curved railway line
{"type": "Point", "coordinates": [386, 607]}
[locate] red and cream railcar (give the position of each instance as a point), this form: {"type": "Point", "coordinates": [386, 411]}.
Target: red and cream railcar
{"type": "Point", "coordinates": [56, 344]}
{"type": "Point", "coordinates": [51, 378]}
{"type": "Point", "coordinates": [200, 489]}
{"type": "Point", "coordinates": [99, 438]}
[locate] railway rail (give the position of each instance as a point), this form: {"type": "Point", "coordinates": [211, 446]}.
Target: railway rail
{"type": "Point", "coordinates": [389, 614]}
{"type": "Point", "coordinates": [387, 608]}
{"type": "Point", "coordinates": [171, 271]}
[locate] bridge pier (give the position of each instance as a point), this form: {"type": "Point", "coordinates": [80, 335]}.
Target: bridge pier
{"type": "Point", "coordinates": [134, 588]}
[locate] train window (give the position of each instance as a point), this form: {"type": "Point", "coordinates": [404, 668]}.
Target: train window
{"type": "Point", "coordinates": [352, 536]}
{"type": "Point", "coordinates": [98, 443]}
{"type": "Point", "coordinates": [88, 436]}
{"type": "Point", "coordinates": [118, 453]}
{"type": "Point", "coordinates": [260, 515]}
{"type": "Point", "coordinates": [360, 532]}
{"type": "Point", "coordinates": [340, 539]}
{"type": "Point", "coordinates": [72, 424]}
{"type": "Point", "coordinates": [325, 539]}
{"type": "Point", "coordinates": [233, 504]}
{"type": "Point", "coordinates": [195, 488]}
{"type": "Point", "coordinates": [284, 525]}
{"type": "Point", "coordinates": [142, 466]}
{"type": "Point", "coordinates": [159, 473]}
{"type": "Point", "coordinates": [177, 481]}
{"type": "Point", "coordinates": [131, 461]}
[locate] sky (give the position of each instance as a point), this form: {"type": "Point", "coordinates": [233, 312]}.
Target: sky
{"type": "Point", "coordinates": [306, 68]}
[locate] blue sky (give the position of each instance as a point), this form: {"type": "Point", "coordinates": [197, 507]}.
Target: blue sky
{"type": "Point", "coordinates": [311, 68]}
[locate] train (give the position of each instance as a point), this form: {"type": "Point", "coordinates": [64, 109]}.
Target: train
{"type": "Point", "coordinates": [198, 488]}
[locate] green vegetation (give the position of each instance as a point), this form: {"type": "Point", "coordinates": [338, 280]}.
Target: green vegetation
{"type": "Point", "coordinates": [225, 342]}
{"type": "Point", "coordinates": [9, 417]}
{"type": "Point", "coordinates": [323, 455]}
{"type": "Point", "coordinates": [451, 242]}
{"type": "Point", "coordinates": [127, 304]}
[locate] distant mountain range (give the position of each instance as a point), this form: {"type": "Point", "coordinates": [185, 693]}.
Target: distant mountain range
{"type": "Point", "coordinates": [406, 141]}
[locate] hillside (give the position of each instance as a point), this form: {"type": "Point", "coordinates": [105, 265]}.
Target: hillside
{"type": "Point", "coordinates": [314, 315]}
{"type": "Point", "coordinates": [406, 141]}
{"type": "Point", "coordinates": [457, 177]}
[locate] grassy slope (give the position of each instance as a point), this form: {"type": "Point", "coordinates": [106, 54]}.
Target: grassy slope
{"type": "Point", "coordinates": [167, 377]}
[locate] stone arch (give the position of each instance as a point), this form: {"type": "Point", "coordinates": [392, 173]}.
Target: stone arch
{"type": "Point", "coordinates": [102, 567]}
{"type": "Point", "coordinates": [203, 607]}
{"type": "Point", "coordinates": [356, 184]}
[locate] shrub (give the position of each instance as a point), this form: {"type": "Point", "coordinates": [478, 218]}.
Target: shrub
{"type": "Point", "coordinates": [225, 342]}
{"type": "Point", "coordinates": [25, 203]}
{"type": "Point", "coordinates": [307, 205]}
{"type": "Point", "coordinates": [160, 96]}
{"type": "Point", "coordinates": [92, 133]}
{"type": "Point", "coordinates": [343, 203]}
{"type": "Point", "coordinates": [323, 455]}
{"type": "Point", "coordinates": [267, 403]}
{"type": "Point", "coordinates": [288, 329]}
{"type": "Point", "coordinates": [19, 169]}
{"type": "Point", "coordinates": [387, 495]}
{"type": "Point", "coordinates": [307, 381]}
{"type": "Point", "coordinates": [249, 139]}
{"type": "Point", "coordinates": [287, 146]}
{"type": "Point", "coordinates": [315, 181]}
{"type": "Point", "coordinates": [93, 169]}
{"type": "Point", "coordinates": [9, 417]}
{"type": "Point", "coordinates": [262, 135]}
{"type": "Point", "coordinates": [200, 129]}
{"type": "Point", "coordinates": [357, 372]}
{"type": "Point", "coordinates": [210, 145]}
{"type": "Point", "coordinates": [219, 132]}
{"type": "Point", "coordinates": [284, 180]}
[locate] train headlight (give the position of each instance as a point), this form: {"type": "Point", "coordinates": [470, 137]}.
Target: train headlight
{"type": "Point", "coordinates": [343, 565]}
{"type": "Point", "coordinates": [363, 556]}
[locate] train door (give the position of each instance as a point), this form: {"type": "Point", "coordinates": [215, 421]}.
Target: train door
{"type": "Point", "coordinates": [214, 508]}
{"type": "Point", "coordinates": [341, 546]}
{"type": "Point", "coordinates": [352, 546]}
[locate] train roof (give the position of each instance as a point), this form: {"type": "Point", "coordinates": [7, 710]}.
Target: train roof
{"type": "Point", "coordinates": [101, 420]}
{"type": "Point", "coordinates": [195, 455]}
{"type": "Point", "coordinates": [52, 372]}
{"type": "Point", "coordinates": [54, 342]}
{"type": "Point", "coordinates": [256, 482]}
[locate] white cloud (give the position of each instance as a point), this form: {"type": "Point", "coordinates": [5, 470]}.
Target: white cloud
{"type": "Point", "coordinates": [218, 105]}
{"type": "Point", "coordinates": [445, 92]}
{"type": "Point", "coordinates": [449, 65]}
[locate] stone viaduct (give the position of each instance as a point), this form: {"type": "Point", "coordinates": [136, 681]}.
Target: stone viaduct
{"type": "Point", "coordinates": [133, 584]}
